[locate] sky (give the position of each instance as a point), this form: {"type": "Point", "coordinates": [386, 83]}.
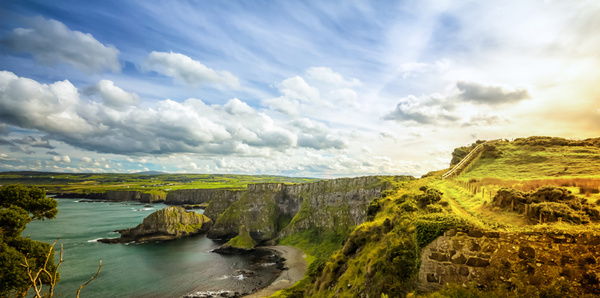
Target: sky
{"type": "Point", "coordinates": [297, 88]}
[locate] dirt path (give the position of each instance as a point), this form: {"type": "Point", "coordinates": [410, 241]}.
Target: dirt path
{"type": "Point", "coordinates": [295, 261]}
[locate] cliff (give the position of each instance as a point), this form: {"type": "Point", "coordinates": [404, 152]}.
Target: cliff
{"type": "Point", "coordinates": [274, 210]}
{"type": "Point", "coordinates": [119, 196]}
{"type": "Point", "coordinates": [165, 224]}
{"type": "Point", "coordinates": [218, 199]}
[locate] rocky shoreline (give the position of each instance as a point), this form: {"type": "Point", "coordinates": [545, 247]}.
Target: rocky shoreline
{"type": "Point", "coordinates": [288, 261]}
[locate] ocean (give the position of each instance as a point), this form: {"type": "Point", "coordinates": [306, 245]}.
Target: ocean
{"type": "Point", "coordinates": [164, 269]}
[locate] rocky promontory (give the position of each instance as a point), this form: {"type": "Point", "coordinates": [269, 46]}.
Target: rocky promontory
{"type": "Point", "coordinates": [165, 224]}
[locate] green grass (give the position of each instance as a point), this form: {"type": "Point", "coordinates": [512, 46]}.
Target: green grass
{"type": "Point", "coordinates": [94, 183]}
{"type": "Point", "coordinates": [528, 162]}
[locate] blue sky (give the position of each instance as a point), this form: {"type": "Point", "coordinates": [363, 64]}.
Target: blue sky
{"type": "Point", "coordinates": [301, 88]}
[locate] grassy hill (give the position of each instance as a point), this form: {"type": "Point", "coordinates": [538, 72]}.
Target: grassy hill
{"type": "Point", "coordinates": [91, 183]}
{"type": "Point", "coordinates": [382, 257]}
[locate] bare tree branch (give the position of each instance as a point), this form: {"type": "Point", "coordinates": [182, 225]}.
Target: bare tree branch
{"type": "Point", "coordinates": [85, 284]}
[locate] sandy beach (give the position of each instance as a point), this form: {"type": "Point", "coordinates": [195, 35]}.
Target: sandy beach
{"type": "Point", "coordinates": [295, 261]}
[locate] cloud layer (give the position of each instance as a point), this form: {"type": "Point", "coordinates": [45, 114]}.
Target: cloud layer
{"type": "Point", "coordinates": [193, 72]}
{"type": "Point", "coordinates": [51, 42]}
{"type": "Point", "coordinates": [116, 125]}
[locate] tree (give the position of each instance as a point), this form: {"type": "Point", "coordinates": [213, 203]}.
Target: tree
{"type": "Point", "coordinates": [18, 206]}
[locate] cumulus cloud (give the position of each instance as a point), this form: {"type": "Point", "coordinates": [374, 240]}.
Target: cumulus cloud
{"type": "Point", "coordinates": [284, 105]}
{"type": "Point", "coordinates": [429, 109]}
{"type": "Point", "coordinates": [51, 42]}
{"type": "Point", "coordinates": [61, 159]}
{"type": "Point", "coordinates": [297, 88]}
{"type": "Point", "coordinates": [192, 126]}
{"type": "Point", "coordinates": [49, 108]}
{"type": "Point", "coordinates": [490, 94]}
{"type": "Point", "coordinates": [193, 72]}
{"type": "Point", "coordinates": [301, 98]}
{"type": "Point", "coordinates": [112, 95]}
{"type": "Point", "coordinates": [316, 135]}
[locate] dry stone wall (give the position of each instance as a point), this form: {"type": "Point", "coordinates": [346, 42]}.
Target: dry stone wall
{"type": "Point", "coordinates": [491, 257]}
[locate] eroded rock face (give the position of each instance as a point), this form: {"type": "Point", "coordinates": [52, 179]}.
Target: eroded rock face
{"type": "Point", "coordinates": [217, 199]}
{"type": "Point", "coordinates": [452, 259]}
{"type": "Point", "coordinates": [273, 210]}
{"type": "Point", "coordinates": [165, 224]}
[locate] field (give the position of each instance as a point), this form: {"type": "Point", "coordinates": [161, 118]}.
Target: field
{"type": "Point", "coordinates": [526, 166]}
{"type": "Point", "coordinates": [93, 183]}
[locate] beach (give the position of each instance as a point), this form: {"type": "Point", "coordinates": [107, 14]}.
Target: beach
{"type": "Point", "coordinates": [295, 262]}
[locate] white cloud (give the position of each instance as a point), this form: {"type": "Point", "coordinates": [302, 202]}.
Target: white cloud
{"type": "Point", "coordinates": [297, 88]}
{"type": "Point", "coordinates": [114, 96]}
{"type": "Point", "coordinates": [86, 159]}
{"type": "Point", "coordinates": [328, 76]}
{"type": "Point", "coordinates": [422, 110]}
{"type": "Point", "coordinates": [51, 42]}
{"type": "Point", "coordinates": [193, 72]}
{"type": "Point", "coordinates": [61, 159]}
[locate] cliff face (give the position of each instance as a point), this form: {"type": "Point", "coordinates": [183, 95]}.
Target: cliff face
{"type": "Point", "coordinates": [493, 257]}
{"type": "Point", "coordinates": [218, 199]}
{"type": "Point", "coordinates": [119, 196]}
{"type": "Point", "coordinates": [274, 210]}
{"type": "Point", "coordinates": [165, 224]}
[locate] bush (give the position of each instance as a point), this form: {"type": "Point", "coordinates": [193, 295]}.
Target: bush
{"type": "Point", "coordinates": [431, 226]}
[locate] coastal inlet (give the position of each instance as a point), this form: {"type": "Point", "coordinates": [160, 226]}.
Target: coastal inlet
{"type": "Point", "coordinates": [155, 269]}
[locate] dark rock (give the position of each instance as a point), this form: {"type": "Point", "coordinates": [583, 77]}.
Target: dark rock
{"type": "Point", "coordinates": [474, 247]}
{"type": "Point", "coordinates": [475, 233]}
{"type": "Point", "coordinates": [477, 262]}
{"type": "Point", "coordinates": [492, 234]}
{"type": "Point", "coordinates": [526, 252]}
{"type": "Point", "coordinates": [566, 259]}
{"type": "Point", "coordinates": [459, 258]}
{"type": "Point", "coordinates": [438, 257]}
{"type": "Point", "coordinates": [431, 278]}
{"type": "Point", "coordinates": [463, 270]}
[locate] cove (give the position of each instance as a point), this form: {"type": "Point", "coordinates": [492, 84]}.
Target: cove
{"type": "Point", "coordinates": [163, 269]}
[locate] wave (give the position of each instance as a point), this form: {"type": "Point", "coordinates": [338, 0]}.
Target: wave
{"type": "Point", "coordinates": [143, 209]}
{"type": "Point", "coordinates": [94, 240]}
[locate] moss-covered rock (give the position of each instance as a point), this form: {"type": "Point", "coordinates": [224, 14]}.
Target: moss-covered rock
{"type": "Point", "coordinates": [239, 244]}
{"type": "Point", "coordinates": [165, 224]}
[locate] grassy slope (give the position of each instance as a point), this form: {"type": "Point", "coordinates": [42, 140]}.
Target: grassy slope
{"type": "Point", "coordinates": [527, 162]}
{"type": "Point", "coordinates": [381, 256]}
{"type": "Point", "coordinates": [79, 183]}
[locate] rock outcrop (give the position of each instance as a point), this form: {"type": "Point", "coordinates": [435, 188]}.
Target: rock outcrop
{"type": "Point", "coordinates": [217, 199]}
{"type": "Point", "coordinates": [273, 210]}
{"type": "Point", "coordinates": [165, 224]}
{"type": "Point", "coordinates": [489, 257]}
{"type": "Point", "coordinates": [547, 204]}
{"type": "Point", "coordinates": [240, 244]}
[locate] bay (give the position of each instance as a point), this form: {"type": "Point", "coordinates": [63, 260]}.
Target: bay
{"type": "Point", "coordinates": [164, 269]}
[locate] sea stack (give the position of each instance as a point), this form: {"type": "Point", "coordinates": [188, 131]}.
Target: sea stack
{"type": "Point", "coordinates": [165, 224]}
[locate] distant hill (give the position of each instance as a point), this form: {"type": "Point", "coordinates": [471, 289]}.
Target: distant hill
{"type": "Point", "coordinates": [151, 173]}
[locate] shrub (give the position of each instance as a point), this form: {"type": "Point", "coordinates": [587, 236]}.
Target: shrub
{"type": "Point", "coordinates": [431, 226]}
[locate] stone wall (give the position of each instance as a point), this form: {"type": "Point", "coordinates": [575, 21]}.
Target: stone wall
{"type": "Point", "coordinates": [491, 257]}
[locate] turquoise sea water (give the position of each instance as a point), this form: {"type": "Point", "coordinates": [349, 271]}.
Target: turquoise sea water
{"type": "Point", "coordinates": [165, 269]}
